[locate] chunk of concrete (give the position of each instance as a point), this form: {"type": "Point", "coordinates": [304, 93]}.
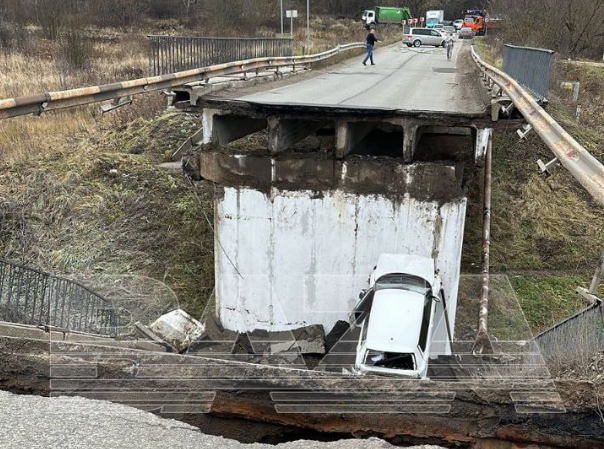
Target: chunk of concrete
{"type": "Point", "coordinates": [214, 340]}
{"type": "Point", "coordinates": [304, 340]}
{"type": "Point", "coordinates": [178, 329]}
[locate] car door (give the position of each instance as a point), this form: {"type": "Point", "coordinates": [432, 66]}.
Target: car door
{"type": "Point", "coordinates": [435, 38]}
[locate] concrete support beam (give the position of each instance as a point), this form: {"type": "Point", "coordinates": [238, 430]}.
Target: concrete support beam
{"type": "Point", "coordinates": [483, 137]}
{"type": "Point", "coordinates": [285, 133]}
{"type": "Point", "coordinates": [222, 128]}
{"type": "Point", "coordinates": [410, 139]}
{"type": "Point", "coordinates": [349, 135]}
{"type": "Point", "coordinates": [207, 124]}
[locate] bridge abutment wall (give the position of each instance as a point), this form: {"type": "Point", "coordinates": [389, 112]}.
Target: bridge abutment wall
{"type": "Point", "coordinates": [299, 231]}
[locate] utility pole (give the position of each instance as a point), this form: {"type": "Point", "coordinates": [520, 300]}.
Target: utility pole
{"type": "Point", "coordinates": [307, 26]}
{"type": "Point", "coordinates": [281, 5]}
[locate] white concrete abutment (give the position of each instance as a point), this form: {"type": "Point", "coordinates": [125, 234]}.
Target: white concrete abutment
{"type": "Point", "coordinates": [299, 230]}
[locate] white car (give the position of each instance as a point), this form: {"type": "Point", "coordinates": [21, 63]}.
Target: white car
{"type": "Point", "coordinates": [458, 24]}
{"type": "Point", "coordinates": [423, 36]}
{"type": "Point", "coordinates": [396, 316]}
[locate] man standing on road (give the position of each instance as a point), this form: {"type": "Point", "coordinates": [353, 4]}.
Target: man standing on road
{"type": "Point", "coordinates": [449, 43]}
{"type": "Point", "coordinates": [371, 41]}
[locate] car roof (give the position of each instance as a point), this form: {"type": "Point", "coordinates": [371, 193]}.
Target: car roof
{"type": "Point", "coordinates": [395, 321]}
{"type": "Point", "coordinates": [420, 266]}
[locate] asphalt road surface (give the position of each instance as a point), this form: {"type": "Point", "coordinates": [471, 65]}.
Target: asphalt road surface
{"type": "Point", "coordinates": [403, 79]}
{"type": "Point", "coordinates": [76, 423]}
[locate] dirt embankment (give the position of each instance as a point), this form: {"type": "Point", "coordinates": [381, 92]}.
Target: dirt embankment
{"type": "Point", "coordinates": [482, 416]}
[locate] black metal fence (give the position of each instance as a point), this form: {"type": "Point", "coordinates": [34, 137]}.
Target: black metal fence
{"type": "Point", "coordinates": [531, 67]}
{"type": "Point", "coordinates": [170, 54]}
{"type": "Point", "coordinates": [30, 296]}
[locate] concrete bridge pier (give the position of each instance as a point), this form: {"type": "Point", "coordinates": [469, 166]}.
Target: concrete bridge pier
{"type": "Point", "coordinates": [300, 231]}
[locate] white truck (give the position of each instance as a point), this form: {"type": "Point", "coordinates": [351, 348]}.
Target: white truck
{"type": "Point", "coordinates": [434, 17]}
{"type": "Point", "coordinates": [396, 316]}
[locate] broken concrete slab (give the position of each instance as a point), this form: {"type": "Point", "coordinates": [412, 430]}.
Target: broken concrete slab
{"type": "Point", "coordinates": [215, 339]}
{"type": "Point", "coordinates": [304, 340]}
{"type": "Point", "coordinates": [178, 329]}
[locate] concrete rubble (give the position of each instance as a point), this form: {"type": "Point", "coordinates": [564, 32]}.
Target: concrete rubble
{"type": "Point", "coordinates": [177, 328]}
{"type": "Point", "coordinates": [260, 346]}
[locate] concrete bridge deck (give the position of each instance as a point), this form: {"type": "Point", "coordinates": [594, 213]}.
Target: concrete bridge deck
{"type": "Point", "coordinates": [403, 80]}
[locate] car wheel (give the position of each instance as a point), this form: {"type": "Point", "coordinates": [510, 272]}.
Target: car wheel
{"type": "Point", "coordinates": [408, 45]}
{"type": "Point", "coordinates": [417, 43]}
{"type": "Point", "coordinates": [443, 44]}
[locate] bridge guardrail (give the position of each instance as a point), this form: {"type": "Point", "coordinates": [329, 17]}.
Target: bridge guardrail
{"type": "Point", "coordinates": [583, 331]}
{"type": "Point", "coordinates": [170, 54]}
{"type": "Point", "coordinates": [30, 296]}
{"type": "Point", "coordinates": [51, 101]}
{"type": "Point", "coordinates": [531, 67]}
{"type": "Point", "coordinates": [582, 165]}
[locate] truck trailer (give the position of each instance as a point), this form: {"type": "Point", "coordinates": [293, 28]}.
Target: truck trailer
{"type": "Point", "coordinates": [434, 17]}
{"type": "Point", "coordinates": [382, 15]}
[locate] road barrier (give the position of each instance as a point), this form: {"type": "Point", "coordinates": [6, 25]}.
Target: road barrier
{"type": "Point", "coordinates": [170, 54]}
{"type": "Point", "coordinates": [51, 101]}
{"type": "Point", "coordinates": [575, 158]}
{"type": "Point", "coordinates": [583, 332]}
{"type": "Point", "coordinates": [30, 296]}
{"type": "Point", "coordinates": [531, 67]}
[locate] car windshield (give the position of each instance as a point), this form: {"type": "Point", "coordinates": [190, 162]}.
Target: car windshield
{"type": "Point", "coordinates": [402, 282]}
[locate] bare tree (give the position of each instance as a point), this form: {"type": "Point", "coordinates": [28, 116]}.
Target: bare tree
{"type": "Point", "coordinates": [188, 4]}
{"type": "Point", "coordinates": [571, 27]}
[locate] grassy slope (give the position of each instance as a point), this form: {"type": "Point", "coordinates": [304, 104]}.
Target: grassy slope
{"type": "Point", "coordinates": [66, 211]}
{"type": "Point", "coordinates": [552, 225]}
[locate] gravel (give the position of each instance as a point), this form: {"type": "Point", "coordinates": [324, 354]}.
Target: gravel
{"type": "Point", "coordinates": [65, 423]}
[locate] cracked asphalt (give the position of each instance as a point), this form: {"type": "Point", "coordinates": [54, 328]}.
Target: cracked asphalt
{"type": "Point", "coordinates": [77, 423]}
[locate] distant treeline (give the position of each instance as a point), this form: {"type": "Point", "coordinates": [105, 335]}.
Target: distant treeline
{"type": "Point", "coordinates": [241, 15]}
{"type": "Point", "coordinates": [571, 27]}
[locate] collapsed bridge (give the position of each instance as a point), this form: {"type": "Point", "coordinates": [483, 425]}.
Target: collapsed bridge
{"type": "Point", "coordinates": [345, 165]}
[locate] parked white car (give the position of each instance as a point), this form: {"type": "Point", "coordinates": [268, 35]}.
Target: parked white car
{"type": "Point", "coordinates": [396, 316]}
{"type": "Point", "coordinates": [458, 24]}
{"type": "Point", "coordinates": [423, 36]}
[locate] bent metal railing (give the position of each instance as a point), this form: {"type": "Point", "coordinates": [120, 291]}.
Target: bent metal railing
{"type": "Point", "coordinates": [51, 101]}
{"type": "Point", "coordinates": [170, 54]}
{"type": "Point", "coordinates": [582, 165]}
{"type": "Point", "coordinates": [30, 296]}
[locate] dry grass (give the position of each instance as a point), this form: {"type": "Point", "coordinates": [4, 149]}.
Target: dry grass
{"type": "Point", "coordinates": [41, 69]}
{"type": "Point", "coordinates": [98, 204]}
{"type": "Point", "coordinates": [79, 191]}
{"type": "Point", "coordinates": [326, 33]}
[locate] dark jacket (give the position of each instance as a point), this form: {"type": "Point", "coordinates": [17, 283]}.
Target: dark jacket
{"type": "Point", "coordinates": [371, 39]}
